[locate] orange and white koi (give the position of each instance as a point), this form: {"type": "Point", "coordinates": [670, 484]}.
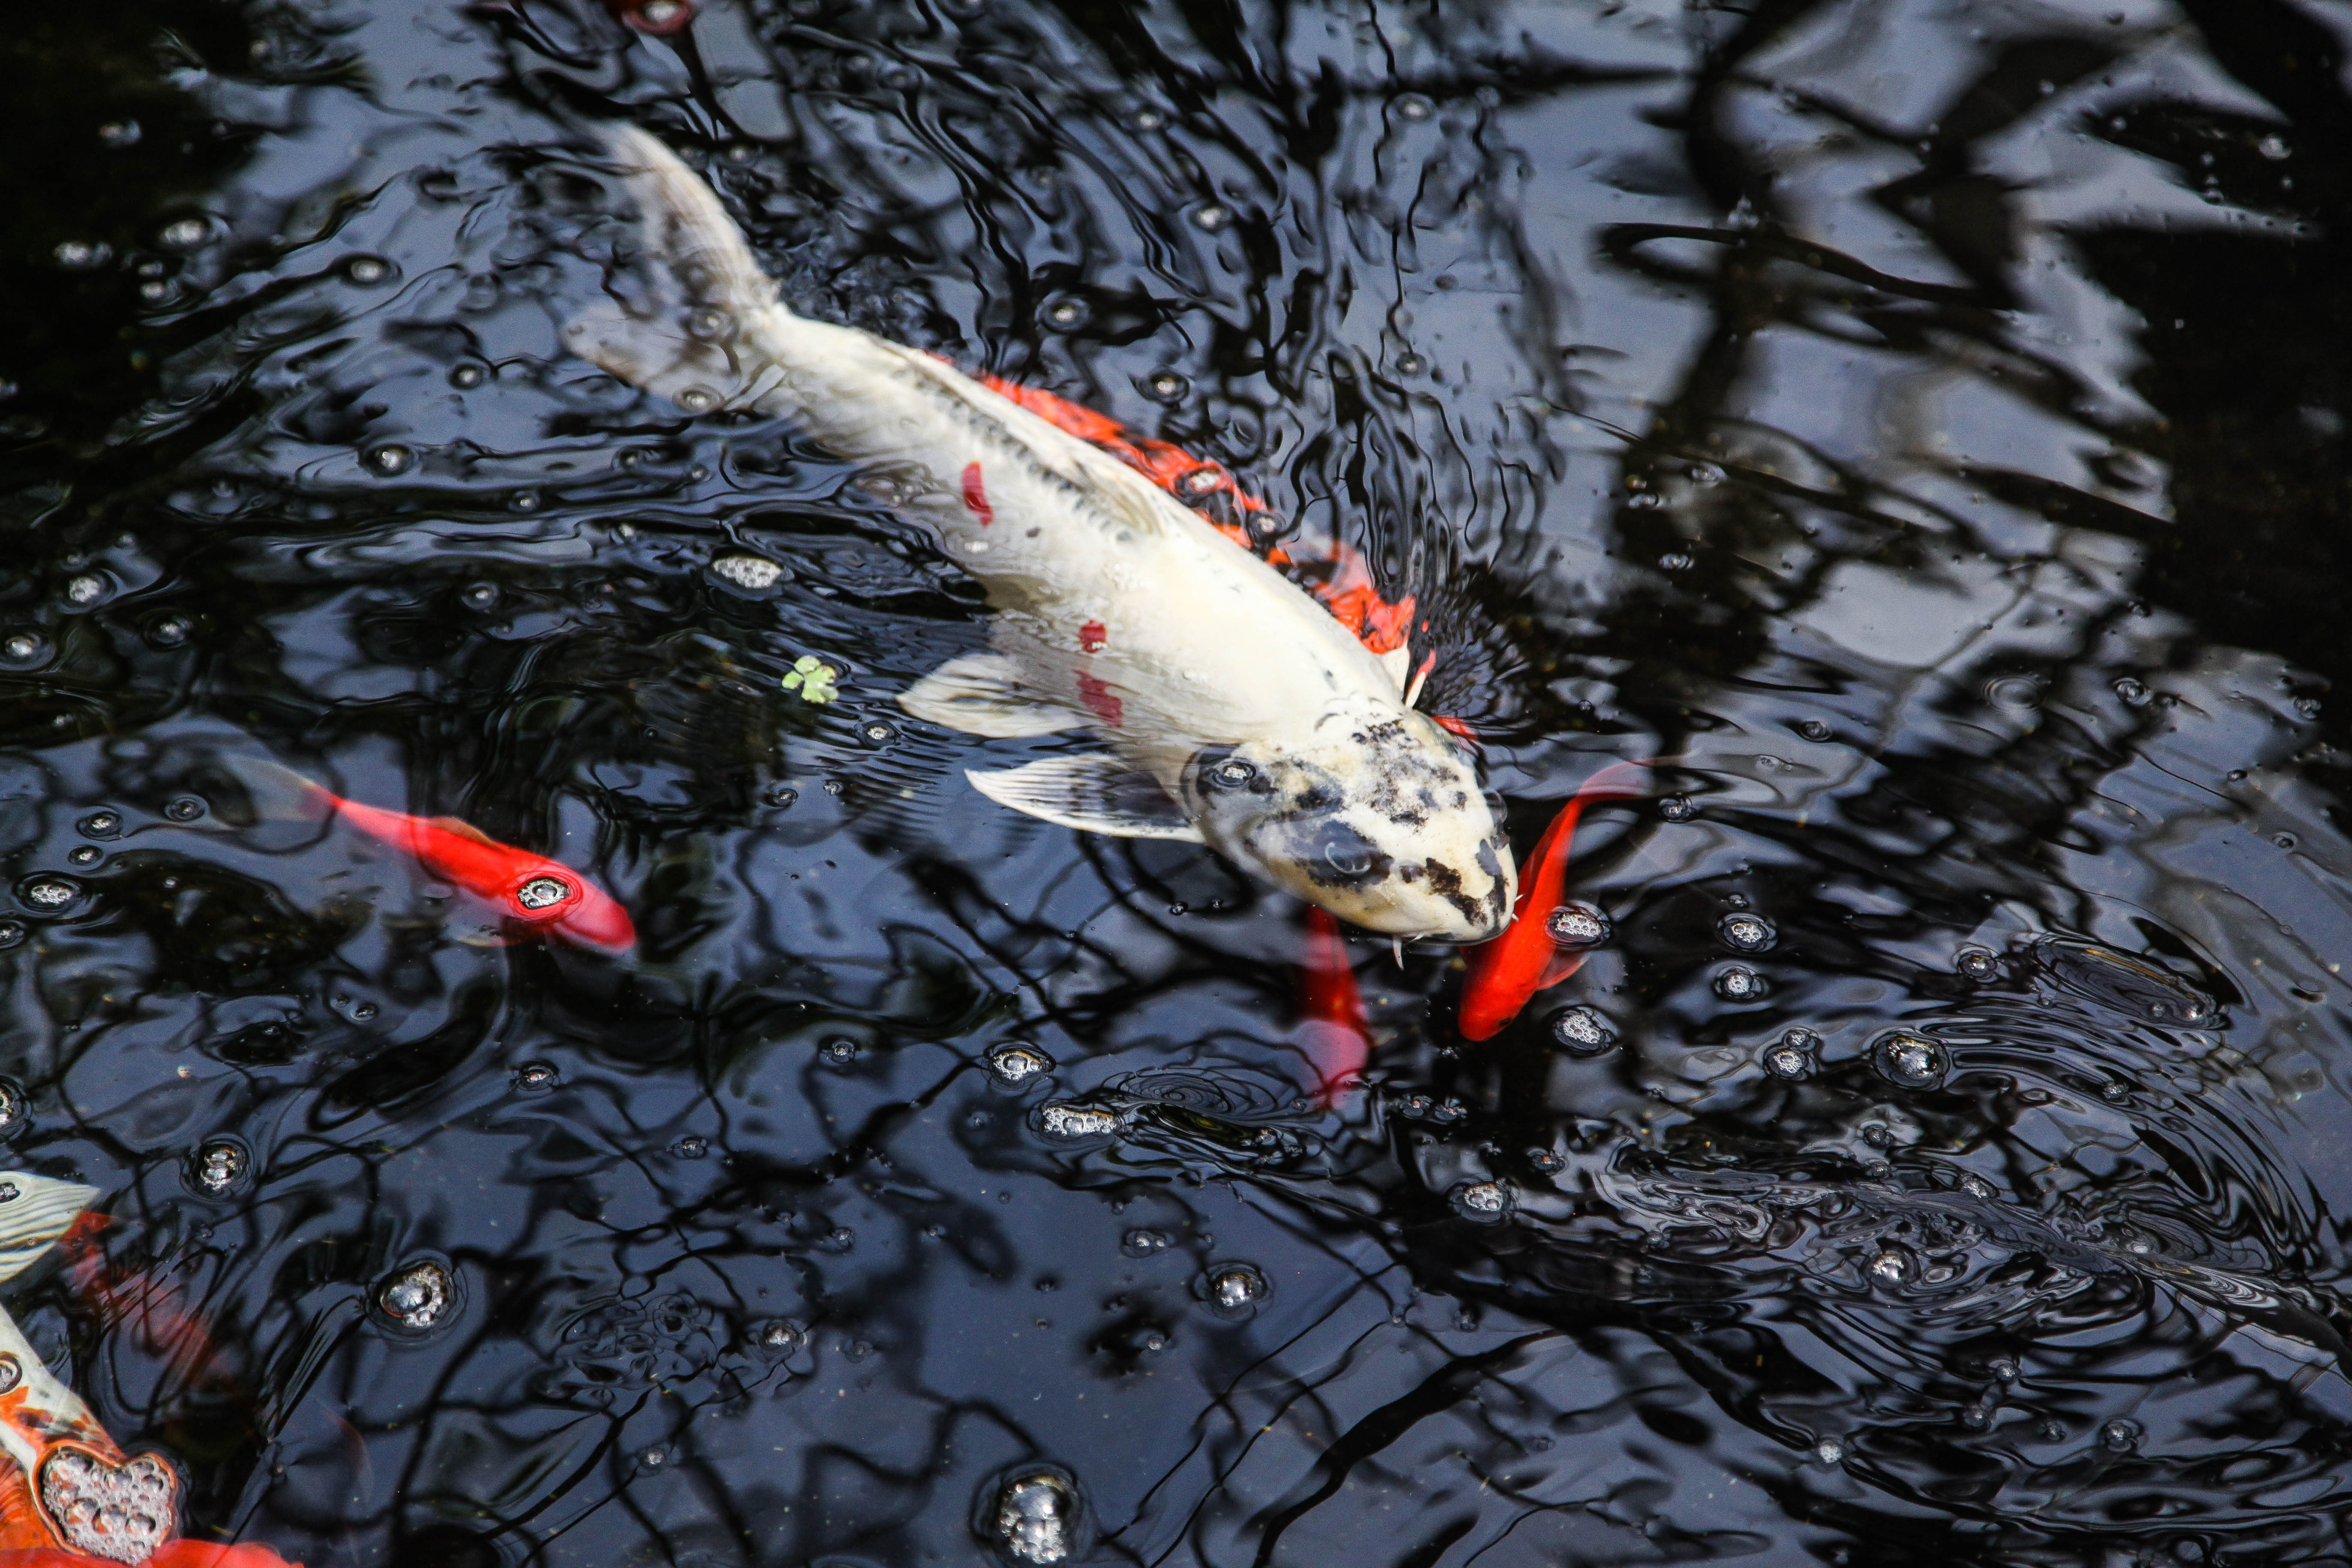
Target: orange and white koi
{"type": "Point", "coordinates": [531, 895]}
{"type": "Point", "coordinates": [1234, 710]}
{"type": "Point", "coordinates": [70, 1498]}
{"type": "Point", "coordinates": [1332, 1010]}
{"type": "Point", "coordinates": [1507, 972]}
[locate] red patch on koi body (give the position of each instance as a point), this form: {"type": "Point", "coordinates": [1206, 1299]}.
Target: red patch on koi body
{"type": "Point", "coordinates": [1093, 636]}
{"type": "Point", "coordinates": [975, 499]}
{"type": "Point", "coordinates": [1100, 700]}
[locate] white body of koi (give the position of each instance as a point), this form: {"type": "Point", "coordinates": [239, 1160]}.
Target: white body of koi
{"type": "Point", "coordinates": [1233, 710]}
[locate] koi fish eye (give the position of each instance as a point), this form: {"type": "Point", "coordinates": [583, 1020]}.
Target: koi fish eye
{"type": "Point", "coordinates": [543, 893]}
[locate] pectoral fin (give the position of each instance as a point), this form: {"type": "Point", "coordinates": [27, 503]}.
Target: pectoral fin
{"type": "Point", "coordinates": [982, 694]}
{"type": "Point", "coordinates": [1094, 794]}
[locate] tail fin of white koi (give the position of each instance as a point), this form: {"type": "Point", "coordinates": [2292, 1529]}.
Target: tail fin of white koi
{"type": "Point", "coordinates": [699, 288]}
{"type": "Point", "coordinates": [34, 1212]}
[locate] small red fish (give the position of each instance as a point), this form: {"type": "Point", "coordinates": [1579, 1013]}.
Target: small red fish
{"type": "Point", "coordinates": [1332, 1010]}
{"type": "Point", "coordinates": [1509, 970]}
{"type": "Point", "coordinates": [144, 1301]}
{"type": "Point", "coordinates": [533, 895]}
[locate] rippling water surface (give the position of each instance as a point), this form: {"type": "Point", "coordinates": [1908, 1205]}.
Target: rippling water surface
{"type": "Point", "coordinates": [1924, 423]}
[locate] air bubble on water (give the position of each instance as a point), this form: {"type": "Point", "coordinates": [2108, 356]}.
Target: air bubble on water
{"type": "Point", "coordinates": [1747, 934]}
{"type": "Point", "coordinates": [1145, 1243]}
{"type": "Point", "coordinates": [81, 255]}
{"type": "Point", "coordinates": [1813, 729]}
{"type": "Point", "coordinates": [220, 1164]}
{"type": "Point", "coordinates": [2120, 1437]}
{"type": "Point", "coordinates": [1909, 1060]}
{"type": "Point", "coordinates": [22, 649]}
{"type": "Point", "coordinates": [2013, 691]}
{"type": "Point", "coordinates": [119, 133]}
{"type": "Point", "coordinates": [537, 1077]}
{"type": "Point", "coordinates": [479, 595]}
{"type": "Point", "coordinates": [1410, 364]}
{"type": "Point", "coordinates": [1583, 1031]}
{"type": "Point", "coordinates": [708, 322]}
{"type": "Point", "coordinates": [661, 16]}
{"type": "Point", "coordinates": [2308, 707]}
{"type": "Point", "coordinates": [1166, 386]}
{"type": "Point", "coordinates": [1792, 1055]}
{"type": "Point", "coordinates": [367, 271]}
{"type": "Point", "coordinates": [698, 399]}
{"type": "Point", "coordinates": [781, 1335]}
{"type": "Point", "coordinates": [877, 732]}
{"type": "Point", "coordinates": [1233, 1288]}
{"type": "Point", "coordinates": [753, 571]}
{"type": "Point", "coordinates": [170, 632]}
{"type": "Point", "coordinates": [1482, 1200]}
{"type": "Point", "coordinates": [1829, 1451]}
{"type": "Point", "coordinates": [692, 1146]}
{"type": "Point", "coordinates": [2271, 147]}
{"type": "Point", "coordinates": [1147, 119]}
{"type": "Point", "coordinates": [47, 893]}
{"type": "Point", "coordinates": [2132, 692]}
{"type": "Point", "coordinates": [85, 590]}
{"type": "Point", "coordinates": [1676, 808]}
{"type": "Point", "coordinates": [1673, 560]}
{"type": "Point", "coordinates": [415, 1297]}
{"type": "Point", "coordinates": [2284, 840]}
{"type": "Point", "coordinates": [82, 855]}
{"type": "Point", "coordinates": [14, 1107]}
{"type": "Point", "coordinates": [185, 808]}
{"type": "Point", "coordinates": [185, 232]}
{"type": "Point", "coordinates": [1741, 984]}
{"type": "Point", "coordinates": [466, 377]}
{"type": "Point", "coordinates": [1036, 1518]}
{"type": "Point", "coordinates": [1017, 1062]}
{"type": "Point", "coordinates": [839, 1050]}
{"type": "Point", "coordinates": [1976, 964]}
{"type": "Point", "coordinates": [99, 824]}
{"type": "Point", "coordinates": [388, 459]}
{"type": "Point", "coordinates": [1062, 1121]}
{"type": "Point", "coordinates": [1892, 1266]}
{"type": "Point", "coordinates": [1211, 217]}
{"type": "Point", "coordinates": [1414, 106]}
{"type": "Point", "coordinates": [1576, 925]}
{"type": "Point", "coordinates": [1066, 313]}
{"type": "Point", "coordinates": [12, 934]}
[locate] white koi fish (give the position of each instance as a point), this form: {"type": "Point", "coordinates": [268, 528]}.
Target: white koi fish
{"type": "Point", "coordinates": [1233, 710]}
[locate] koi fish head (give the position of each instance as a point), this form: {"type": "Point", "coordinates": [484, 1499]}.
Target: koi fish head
{"type": "Point", "coordinates": [1373, 816]}
{"type": "Point", "coordinates": [561, 902]}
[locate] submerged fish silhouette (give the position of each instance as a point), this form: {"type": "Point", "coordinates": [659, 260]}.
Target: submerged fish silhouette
{"type": "Point", "coordinates": [1505, 973]}
{"type": "Point", "coordinates": [1331, 1009]}
{"type": "Point", "coordinates": [1235, 711]}
{"type": "Point", "coordinates": [532, 895]}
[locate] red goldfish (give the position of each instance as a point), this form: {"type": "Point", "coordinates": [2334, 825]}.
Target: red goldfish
{"type": "Point", "coordinates": [1526, 958]}
{"type": "Point", "coordinates": [1332, 1010]}
{"type": "Point", "coordinates": [533, 896]}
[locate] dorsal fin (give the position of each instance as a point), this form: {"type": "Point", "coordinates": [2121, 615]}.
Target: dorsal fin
{"type": "Point", "coordinates": [464, 829]}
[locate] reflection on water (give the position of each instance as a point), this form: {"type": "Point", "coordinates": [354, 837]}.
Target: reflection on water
{"type": "Point", "coordinates": [1921, 426]}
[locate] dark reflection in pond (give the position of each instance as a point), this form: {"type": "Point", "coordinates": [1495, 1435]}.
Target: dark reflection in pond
{"type": "Point", "coordinates": [1921, 425]}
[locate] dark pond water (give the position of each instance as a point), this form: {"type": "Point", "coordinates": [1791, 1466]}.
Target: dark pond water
{"type": "Point", "coordinates": [1925, 422]}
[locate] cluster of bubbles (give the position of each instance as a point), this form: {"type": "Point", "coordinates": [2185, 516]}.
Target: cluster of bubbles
{"type": "Point", "coordinates": [219, 1165]}
{"type": "Point", "coordinates": [415, 1297]}
{"type": "Point", "coordinates": [1035, 1518]}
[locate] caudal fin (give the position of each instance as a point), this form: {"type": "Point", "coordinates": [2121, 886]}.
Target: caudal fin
{"type": "Point", "coordinates": [676, 313]}
{"type": "Point", "coordinates": [34, 1212]}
